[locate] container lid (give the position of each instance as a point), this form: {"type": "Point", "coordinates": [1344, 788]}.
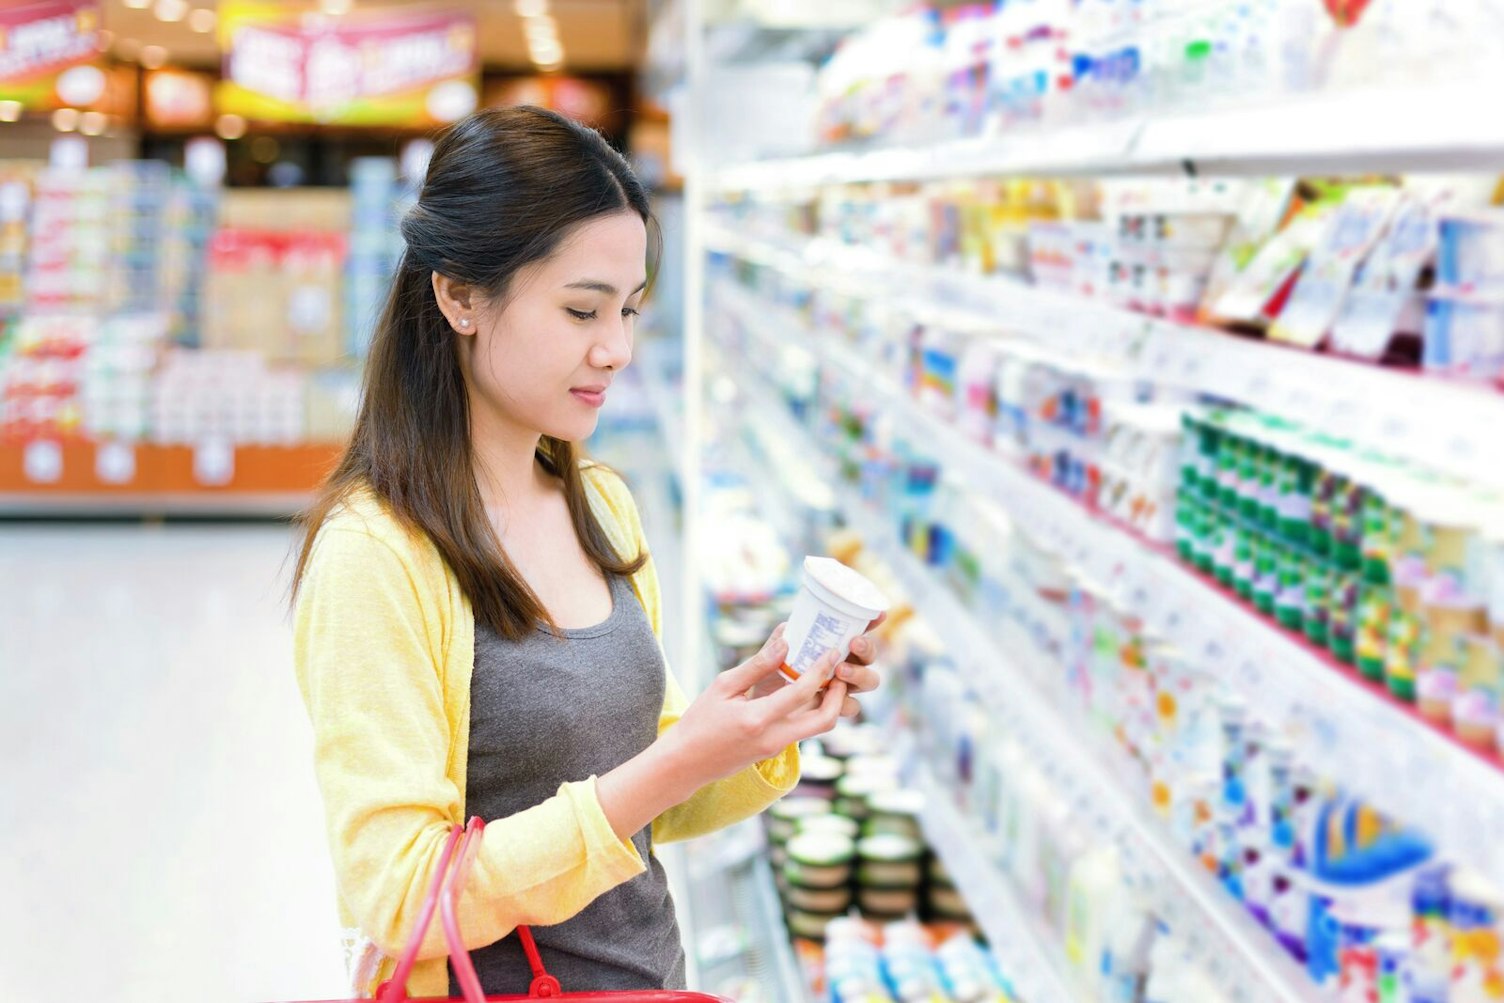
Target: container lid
{"type": "Point", "coordinates": [853, 740]}
{"type": "Point", "coordinates": [859, 785]}
{"type": "Point", "coordinates": [846, 583]}
{"type": "Point", "coordinates": [821, 769]}
{"type": "Point", "coordinates": [821, 849]}
{"type": "Point", "coordinates": [900, 802]}
{"type": "Point", "coordinates": [873, 766]}
{"type": "Point", "coordinates": [795, 808]}
{"type": "Point", "coordinates": [889, 848]}
{"type": "Point", "coordinates": [839, 825]}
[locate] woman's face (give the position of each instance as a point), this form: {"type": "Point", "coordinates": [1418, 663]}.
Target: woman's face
{"type": "Point", "coordinates": [544, 357]}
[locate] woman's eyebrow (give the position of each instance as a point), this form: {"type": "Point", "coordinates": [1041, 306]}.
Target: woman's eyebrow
{"type": "Point", "coordinates": [597, 286]}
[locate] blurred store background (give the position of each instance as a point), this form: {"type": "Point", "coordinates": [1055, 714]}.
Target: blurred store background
{"type": "Point", "coordinates": [1148, 351]}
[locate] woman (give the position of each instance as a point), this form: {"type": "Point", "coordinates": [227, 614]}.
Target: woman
{"type": "Point", "coordinates": [477, 617]}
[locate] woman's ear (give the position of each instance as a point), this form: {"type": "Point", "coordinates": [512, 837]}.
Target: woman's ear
{"type": "Point", "coordinates": [456, 301]}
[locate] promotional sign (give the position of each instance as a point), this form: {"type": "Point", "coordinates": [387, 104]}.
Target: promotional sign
{"type": "Point", "coordinates": [589, 101]}
{"type": "Point", "coordinates": [39, 41]}
{"type": "Point", "coordinates": [179, 99]}
{"type": "Point", "coordinates": [382, 67]}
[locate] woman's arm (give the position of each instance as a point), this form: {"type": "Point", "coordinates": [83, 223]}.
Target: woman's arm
{"type": "Point", "coordinates": [370, 660]}
{"type": "Point", "coordinates": [370, 663]}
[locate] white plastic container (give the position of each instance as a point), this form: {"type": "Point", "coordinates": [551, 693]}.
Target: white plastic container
{"type": "Point", "coordinates": [833, 608]}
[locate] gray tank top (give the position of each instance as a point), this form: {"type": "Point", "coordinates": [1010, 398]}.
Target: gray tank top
{"type": "Point", "coordinates": [547, 710]}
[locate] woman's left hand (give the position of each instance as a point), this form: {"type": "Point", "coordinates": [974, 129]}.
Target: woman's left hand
{"type": "Point", "coordinates": [857, 672]}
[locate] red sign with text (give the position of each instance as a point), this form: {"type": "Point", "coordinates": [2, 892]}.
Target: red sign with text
{"type": "Point", "coordinates": [41, 37]}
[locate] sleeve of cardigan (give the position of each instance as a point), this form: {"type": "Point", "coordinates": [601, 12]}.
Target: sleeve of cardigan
{"type": "Point", "coordinates": [727, 801]}
{"type": "Point", "coordinates": [369, 664]}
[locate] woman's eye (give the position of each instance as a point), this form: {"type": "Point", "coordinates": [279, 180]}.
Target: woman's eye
{"type": "Point", "coordinates": [580, 314]}
{"type": "Point", "coordinates": [629, 312]}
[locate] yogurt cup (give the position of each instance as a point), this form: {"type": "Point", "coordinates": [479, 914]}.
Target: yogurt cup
{"type": "Point", "coordinates": [833, 608]}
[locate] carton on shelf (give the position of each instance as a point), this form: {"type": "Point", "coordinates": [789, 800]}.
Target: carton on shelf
{"type": "Point", "coordinates": [326, 209]}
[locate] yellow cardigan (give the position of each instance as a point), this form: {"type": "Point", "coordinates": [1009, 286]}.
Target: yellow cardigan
{"type": "Point", "coordinates": [384, 647]}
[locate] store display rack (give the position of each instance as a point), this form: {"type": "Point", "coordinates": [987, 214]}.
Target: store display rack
{"type": "Point", "coordinates": [1033, 960]}
{"type": "Point", "coordinates": [1443, 424]}
{"type": "Point", "coordinates": [216, 478]}
{"type": "Point", "coordinates": [652, 370]}
{"type": "Point", "coordinates": [1385, 129]}
{"type": "Point", "coordinates": [1380, 746]}
{"type": "Point", "coordinates": [1238, 953]}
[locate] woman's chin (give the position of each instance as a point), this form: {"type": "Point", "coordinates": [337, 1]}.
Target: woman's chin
{"type": "Point", "coordinates": [576, 430]}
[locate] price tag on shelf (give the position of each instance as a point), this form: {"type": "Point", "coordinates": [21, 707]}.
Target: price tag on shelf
{"type": "Point", "coordinates": [1157, 351]}
{"type": "Point", "coordinates": [115, 463]}
{"type": "Point", "coordinates": [1194, 370]}
{"type": "Point", "coordinates": [214, 462]}
{"type": "Point", "coordinates": [1394, 428]}
{"type": "Point", "coordinates": [1258, 386]}
{"type": "Point", "coordinates": [1301, 403]}
{"type": "Point", "coordinates": [42, 462]}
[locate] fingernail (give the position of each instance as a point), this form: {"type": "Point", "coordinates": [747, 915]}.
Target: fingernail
{"type": "Point", "coordinates": [847, 672]}
{"type": "Point", "coordinates": [859, 646]}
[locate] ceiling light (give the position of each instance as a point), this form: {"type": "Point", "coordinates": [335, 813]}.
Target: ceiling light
{"type": "Point", "coordinates": [65, 119]}
{"type": "Point", "coordinates": [230, 127]}
{"type": "Point", "coordinates": [171, 10]}
{"type": "Point", "coordinates": [92, 123]}
{"type": "Point", "coordinates": [542, 27]}
{"type": "Point", "coordinates": [547, 53]}
{"type": "Point", "coordinates": [153, 57]}
{"type": "Point", "coordinates": [10, 111]}
{"type": "Point", "coordinates": [532, 8]}
{"type": "Point", "coordinates": [336, 8]}
{"type": "Point", "coordinates": [81, 85]}
{"type": "Point", "coordinates": [138, 4]}
{"type": "Point", "coordinates": [202, 20]}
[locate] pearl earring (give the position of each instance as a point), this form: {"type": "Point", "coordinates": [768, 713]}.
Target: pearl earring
{"type": "Point", "coordinates": [464, 322]}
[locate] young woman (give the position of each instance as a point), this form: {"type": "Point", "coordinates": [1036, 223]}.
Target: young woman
{"type": "Point", "coordinates": [477, 617]}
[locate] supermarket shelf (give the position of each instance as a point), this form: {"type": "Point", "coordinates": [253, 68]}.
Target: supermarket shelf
{"type": "Point", "coordinates": [662, 395]}
{"type": "Point", "coordinates": [786, 974]}
{"type": "Point", "coordinates": [94, 480]}
{"type": "Point", "coordinates": [1442, 424]}
{"type": "Point", "coordinates": [1378, 745]}
{"type": "Point", "coordinates": [739, 934]}
{"type": "Point", "coordinates": [1240, 954]}
{"type": "Point", "coordinates": [1392, 130]}
{"type": "Point", "coordinates": [1033, 958]}
{"type": "Point", "coordinates": [260, 505]}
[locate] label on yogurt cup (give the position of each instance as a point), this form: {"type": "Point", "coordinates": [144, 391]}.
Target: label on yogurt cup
{"type": "Point", "coordinates": [834, 606]}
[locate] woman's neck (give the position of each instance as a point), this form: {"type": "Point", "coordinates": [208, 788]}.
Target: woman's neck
{"type": "Point", "coordinates": [504, 457]}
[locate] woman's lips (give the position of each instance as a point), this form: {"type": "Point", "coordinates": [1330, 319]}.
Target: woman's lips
{"type": "Point", "coordinates": [594, 398]}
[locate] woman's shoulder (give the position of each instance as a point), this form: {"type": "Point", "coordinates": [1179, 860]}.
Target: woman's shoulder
{"type": "Point", "coordinates": [612, 497]}
{"type": "Point", "coordinates": [362, 520]}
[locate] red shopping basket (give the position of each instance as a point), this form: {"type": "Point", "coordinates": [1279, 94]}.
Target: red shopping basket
{"type": "Point", "coordinates": [460, 850]}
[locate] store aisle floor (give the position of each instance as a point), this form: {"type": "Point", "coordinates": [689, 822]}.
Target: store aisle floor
{"type": "Point", "coordinates": [162, 837]}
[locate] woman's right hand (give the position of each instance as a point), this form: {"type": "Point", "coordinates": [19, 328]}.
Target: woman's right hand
{"type": "Point", "coordinates": [736, 723]}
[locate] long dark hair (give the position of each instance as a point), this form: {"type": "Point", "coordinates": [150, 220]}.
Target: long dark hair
{"type": "Point", "coordinates": [504, 187]}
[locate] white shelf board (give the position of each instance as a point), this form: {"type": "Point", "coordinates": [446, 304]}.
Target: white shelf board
{"type": "Point", "coordinates": [1031, 958]}
{"type": "Point", "coordinates": [151, 504]}
{"type": "Point", "coordinates": [1379, 750]}
{"type": "Point", "coordinates": [1440, 424]}
{"type": "Point", "coordinates": [1415, 128]}
{"type": "Point", "coordinates": [1238, 952]}
{"type": "Point", "coordinates": [662, 396]}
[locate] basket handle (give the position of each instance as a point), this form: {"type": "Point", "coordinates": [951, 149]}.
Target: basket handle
{"type": "Point", "coordinates": [394, 990]}
{"type": "Point", "coordinates": [544, 985]}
